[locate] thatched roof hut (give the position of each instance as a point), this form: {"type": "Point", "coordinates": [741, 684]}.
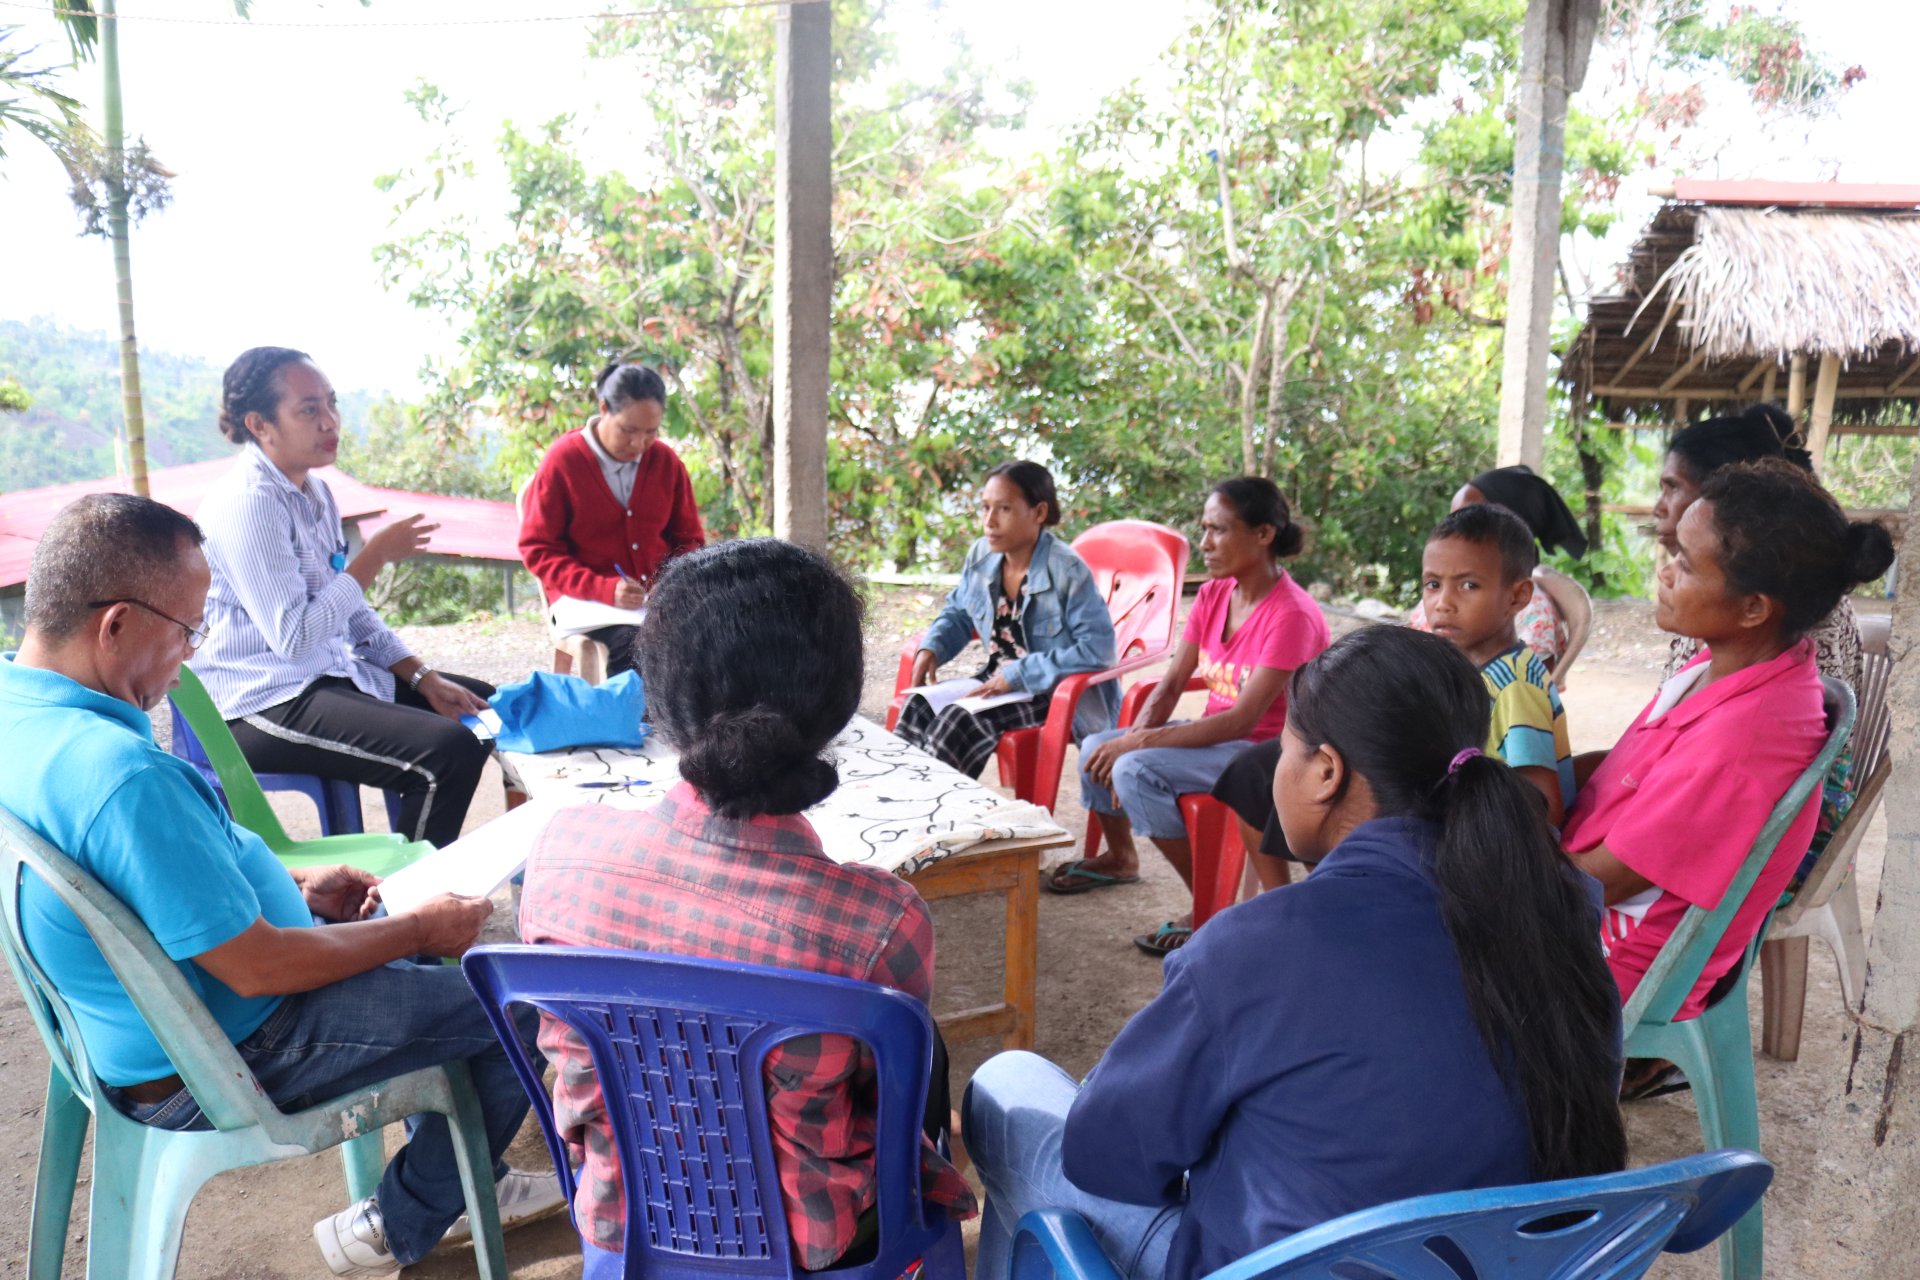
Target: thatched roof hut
{"type": "Point", "coordinates": [1736, 283]}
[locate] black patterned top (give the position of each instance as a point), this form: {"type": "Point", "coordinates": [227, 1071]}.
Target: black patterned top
{"type": "Point", "coordinates": [1009, 638]}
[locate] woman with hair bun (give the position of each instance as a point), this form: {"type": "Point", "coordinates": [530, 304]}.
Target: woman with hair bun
{"type": "Point", "coordinates": [1664, 823]}
{"type": "Point", "coordinates": [610, 504]}
{"type": "Point", "coordinates": [1428, 1011]}
{"type": "Point", "coordinates": [751, 655]}
{"type": "Point", "coordinates": [305, 673]}
{"type": "Point", "coordinates": [1034, 604]}
{"type": "Point", "coordinates": [1250, 628]}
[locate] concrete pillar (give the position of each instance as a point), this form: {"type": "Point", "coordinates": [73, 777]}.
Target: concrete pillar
{"type": "Point", "coordinates": [803, 270]}
{"type": "Point", "coordinates": [1554, 44]}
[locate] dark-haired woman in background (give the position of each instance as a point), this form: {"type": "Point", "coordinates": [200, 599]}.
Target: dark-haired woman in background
{"type": "Point", "coordinates": [609, 504]}
{"type": "Point", "coordinates": [1421, 1014]}
{"type": "Point", "coordinates": [305, 673]}
{"type": "Point", "coordinates": [1540, 626]}
{"type": "Point", "coordinates": [1695, 453]}
{"type": "Point", "coordinates": [751, 654]}
{"type": "Point", "coordinates": [1762, 555]}
{"type": "Point", "coordinates": [1249, 629]}
{"type": "Point", "coordinates": [1035, 607]}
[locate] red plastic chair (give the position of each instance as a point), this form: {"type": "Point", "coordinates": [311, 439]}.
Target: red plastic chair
{"type": "Point", "coordinates": [1137, 567]}
{"type": "Point", "coordinates": [1219, 855]}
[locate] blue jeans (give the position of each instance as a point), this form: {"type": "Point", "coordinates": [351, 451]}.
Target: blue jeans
{"type": "Point", "coordinates": [1013, 1117]}
{"type": "Point", "coordinates": [369, 1028]}
{"type": "Point", "coordinates": [1148, 784]}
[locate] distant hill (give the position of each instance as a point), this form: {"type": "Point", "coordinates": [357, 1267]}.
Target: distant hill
{"type": "Point", "coordinates": [74, 379]}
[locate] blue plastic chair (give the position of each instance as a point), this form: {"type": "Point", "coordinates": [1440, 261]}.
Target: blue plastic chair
{"type": "Point", "coordinates": [1716, 1048]}
{"type": "Point", "coordinates": [682, 1042]}
{"type": "Point", "coordinates": [338, 802]}
{"type": "Point", "coordinates": [1610, 1227]}
{"type": "Point", "coordinates": [145, 1179]}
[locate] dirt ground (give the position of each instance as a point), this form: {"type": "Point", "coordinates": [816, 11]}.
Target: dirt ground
{"type": "Point", "coordinates": [256, 1225]}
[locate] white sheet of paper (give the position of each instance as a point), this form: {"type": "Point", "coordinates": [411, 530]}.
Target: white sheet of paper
{"type": "Point", "coordinates": [959, 690]}
{"type": "Point", "coordinates": [571, 617]}
{"type": "Point", "coordinates": [477, 863]}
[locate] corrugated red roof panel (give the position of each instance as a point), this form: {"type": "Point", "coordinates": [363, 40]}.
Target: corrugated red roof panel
{"type": "Point", "coordinates": [1799, 195]}
{"type": "Point", "coordinates": [470, 528]}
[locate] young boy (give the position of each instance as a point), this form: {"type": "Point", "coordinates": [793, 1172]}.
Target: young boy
{"type": "Point", "coordinates": [1475, 578]}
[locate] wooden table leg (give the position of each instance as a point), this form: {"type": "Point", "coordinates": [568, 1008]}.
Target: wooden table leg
{"type": "Point", "coordinates": [1014, 874]}
{"type": "Point", "coordinates": [1023, 947]}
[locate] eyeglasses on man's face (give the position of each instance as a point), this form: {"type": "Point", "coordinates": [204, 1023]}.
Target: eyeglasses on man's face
{"type": "Point", "coordinates": [196, 636]}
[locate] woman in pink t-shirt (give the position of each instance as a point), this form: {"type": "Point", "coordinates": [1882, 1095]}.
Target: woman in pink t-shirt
{"type": "Point", "coordinates": [1251, 626]}
{"type": "Point", "coordinates": [1668, 817]}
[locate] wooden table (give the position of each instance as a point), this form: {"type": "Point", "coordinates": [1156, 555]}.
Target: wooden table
{"type": "Point", "coordinates": [898, 809]}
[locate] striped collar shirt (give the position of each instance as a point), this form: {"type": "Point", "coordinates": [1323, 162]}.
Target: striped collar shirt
{"type": "Point", "coordinates": [620, 475]}
{"type": "Point", "coordinates": [281, 612]}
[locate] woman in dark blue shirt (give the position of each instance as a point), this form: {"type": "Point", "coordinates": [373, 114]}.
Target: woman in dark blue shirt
{"type": "Point", "coordinates": [1423, 1013]}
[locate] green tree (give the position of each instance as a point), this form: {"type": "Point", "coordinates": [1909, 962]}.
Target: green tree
{"type": "Point", "coordinates": [31, 104]}
{"type": "Point", "coordinates": [671, 263]}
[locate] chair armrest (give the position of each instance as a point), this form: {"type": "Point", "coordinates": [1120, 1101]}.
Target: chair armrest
{"type": "Point", "coordinates": [1058, 1242]}
{"type": "Point", "coordinates": [1137, 697]}
{"type": "Point", "coordinates": [903, 680]}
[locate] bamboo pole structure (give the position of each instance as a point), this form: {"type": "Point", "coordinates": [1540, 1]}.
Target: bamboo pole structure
{"type": "Point", "coordinates": [1825, 385]}
{"type": "Point", "coordinates": [1797, 387]}
{"type": "Point", "coordinates": [119, 231]}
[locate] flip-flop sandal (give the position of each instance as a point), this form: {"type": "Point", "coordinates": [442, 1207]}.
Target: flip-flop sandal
{"type": "Point", "coordinates": [1077, 877]}
{"type": "Point", "coordinates": [1169, 937]}
{"type": "Point", "coordinates": [1658, 1085]}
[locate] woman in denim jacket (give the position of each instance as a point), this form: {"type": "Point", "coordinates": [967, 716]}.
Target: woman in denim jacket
{"type": "Point", "coordinates": [1034, 605]}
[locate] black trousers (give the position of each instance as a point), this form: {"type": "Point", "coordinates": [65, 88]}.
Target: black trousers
{"type": "Point", "coordinates": [619, 642]}
{"type": "Point", "coordinates": [332, 729]}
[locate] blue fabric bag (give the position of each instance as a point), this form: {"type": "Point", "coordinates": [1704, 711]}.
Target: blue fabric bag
{"type": "Point", "coordinates": [547, 712]}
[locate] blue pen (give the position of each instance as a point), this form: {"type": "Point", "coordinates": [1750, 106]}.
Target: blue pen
{"type": "Point", "coordinates": [624, 575]}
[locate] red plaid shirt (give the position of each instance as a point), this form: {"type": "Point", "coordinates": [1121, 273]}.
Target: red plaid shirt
{"type": "Point", "coordinates": [678, 878]}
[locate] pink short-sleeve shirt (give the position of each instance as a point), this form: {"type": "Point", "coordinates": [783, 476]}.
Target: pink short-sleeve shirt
{"type": "Point", "coordinates": [1284, 631]}
{"type": "Point", "coordinates": [1681, 799]}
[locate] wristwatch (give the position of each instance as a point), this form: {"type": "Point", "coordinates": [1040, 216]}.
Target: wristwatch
{"type": "Point", "coordinates": [420, 673]}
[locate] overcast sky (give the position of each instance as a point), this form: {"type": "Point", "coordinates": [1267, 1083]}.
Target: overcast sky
{"type": "Point", "coordinates": [278, 133]}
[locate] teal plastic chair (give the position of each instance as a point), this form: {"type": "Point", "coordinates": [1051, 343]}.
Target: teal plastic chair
{"type": "Point", "coordinates": [380, 852]}
{"type": "Point", "coordinates": [144, 1179]}
{"type": "Point", "coordinates": [1716, 1048]}
{"type": "Point", "coordinates": [1610, 1227]}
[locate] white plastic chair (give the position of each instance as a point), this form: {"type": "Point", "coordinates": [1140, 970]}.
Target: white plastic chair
{"type": "Point", "coordinates": [1827, 905]}
{"type": "Point", "coordinates": [1575, 607]}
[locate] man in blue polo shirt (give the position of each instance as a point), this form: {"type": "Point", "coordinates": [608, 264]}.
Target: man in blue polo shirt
{"type": "Point", "coordinates": [116, 600]}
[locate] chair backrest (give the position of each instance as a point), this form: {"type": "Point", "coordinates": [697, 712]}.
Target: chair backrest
{"type": "Point", "coordinates": [214, 1072]}
{"type": "Point", "coordinates": [1138, 567]}
{"type": "Point", "coordinates": [678, 1045]}
{"type": "Point", "coordinates": [1575, 607]}
{"type": "Point", "coordinates": [193, 707]}
{"type": "Point", "coordinates": [1871, 768]}
{"type": "Point", "coordinates": [1610, 1227]}
{"type": "Point", "coordinates": [1676, 970]}
{"type": "Point", "coordinates": [1875, 726]}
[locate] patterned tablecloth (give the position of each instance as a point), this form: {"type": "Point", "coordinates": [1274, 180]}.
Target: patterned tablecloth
{"type": "Point", "coordinates": [896, 807]}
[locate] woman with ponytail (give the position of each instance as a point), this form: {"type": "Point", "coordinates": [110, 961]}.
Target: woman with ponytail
{"type": "Point", "coordinates": [1762, 556]}
{"type": "Point", "coordinates": [1425, 1012]}
{"type": "Point", "coordinates": [610, 504]}
{"type": "Point", "coordinates": [751, 655]}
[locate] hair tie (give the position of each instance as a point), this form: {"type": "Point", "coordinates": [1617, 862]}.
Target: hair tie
{"type": "Point", "coordinates": [1453, 766]}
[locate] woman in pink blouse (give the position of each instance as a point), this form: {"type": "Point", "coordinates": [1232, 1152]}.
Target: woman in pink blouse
{"type": "Point", "coordinates": [1668, 817]}
{"type": "Point", "coordinates": [1249, 628]}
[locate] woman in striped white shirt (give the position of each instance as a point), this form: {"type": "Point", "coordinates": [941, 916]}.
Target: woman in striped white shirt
{"type": "Point", "coordinates": [307, 676]}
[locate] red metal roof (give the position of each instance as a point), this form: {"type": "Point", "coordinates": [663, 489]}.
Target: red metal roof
{"type": "Point", "coordinates": [1799, 195]}
{"type": "Point", "coordinates": [470, 528]}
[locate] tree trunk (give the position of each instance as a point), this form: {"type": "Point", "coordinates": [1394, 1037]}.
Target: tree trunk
{"type": "Point", "coordinates": [1250, 385]}
{"type": "Point", "coordinates": [1863, 1219]}
{"type": "Point", "coordinates": [136, 422]}
{"type": "Point", "coordinates": [1593, 473]}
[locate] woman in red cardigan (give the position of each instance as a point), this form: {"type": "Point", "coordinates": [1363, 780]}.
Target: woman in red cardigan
{"type": "Point", "coordinates": [610, 503]}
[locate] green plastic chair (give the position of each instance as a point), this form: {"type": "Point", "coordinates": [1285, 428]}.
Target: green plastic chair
{"type": "Point", "coordinates": [1716, 1048]}
{"type": "Point", "coordinates": [144, 1179]}
{"type": "Point", "coordinates": [379, 852]}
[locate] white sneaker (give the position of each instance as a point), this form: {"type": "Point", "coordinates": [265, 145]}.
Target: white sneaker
{"type": "Point", "coordinates": [354, 1241]}
{"type": "Point", "coordinates": [524, 1197]}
